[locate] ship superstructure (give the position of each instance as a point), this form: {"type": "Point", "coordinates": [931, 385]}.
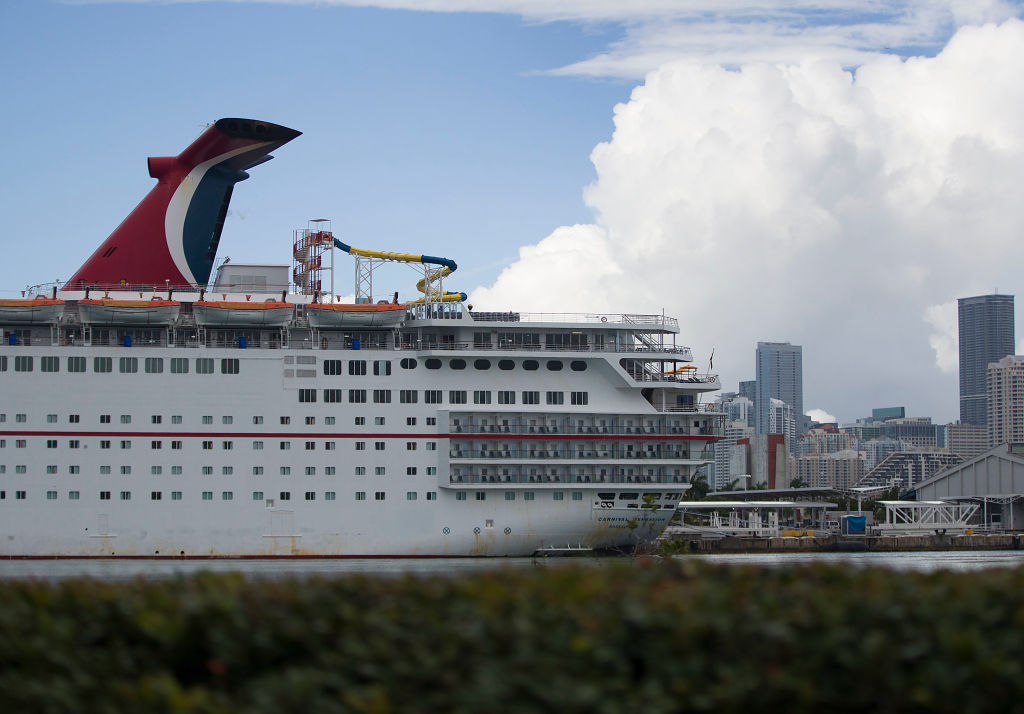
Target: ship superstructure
{"type": "Point", "coordinates": [258, 419]}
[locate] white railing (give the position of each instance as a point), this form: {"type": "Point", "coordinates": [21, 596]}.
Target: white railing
{"type": "Point", "coordinates": [586, 318]}
{"type": "Point", "coordinates": [683, 352]}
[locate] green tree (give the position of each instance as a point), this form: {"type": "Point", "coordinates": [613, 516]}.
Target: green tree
{"type": "Point", "coordinates": [699, 488]}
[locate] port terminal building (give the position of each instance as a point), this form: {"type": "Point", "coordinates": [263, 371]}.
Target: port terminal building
{"type": "Point", "coordinates": [994, 480]}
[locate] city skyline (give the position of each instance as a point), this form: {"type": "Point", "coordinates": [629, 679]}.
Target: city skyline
{"type": "Point", "coordinates": [986, 334]}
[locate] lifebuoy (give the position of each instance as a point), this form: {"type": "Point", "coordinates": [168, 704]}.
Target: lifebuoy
{"type": "Point", "coordinates": [604, 319]}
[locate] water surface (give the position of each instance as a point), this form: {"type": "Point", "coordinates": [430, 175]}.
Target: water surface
{"type": "Point", "coordinates": [916, 561]}
{"type": "Point", "coordinates": [117, 570]}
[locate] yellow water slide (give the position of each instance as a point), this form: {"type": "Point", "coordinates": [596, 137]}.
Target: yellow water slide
{"type": "Point", "coordinates": [425, 285]}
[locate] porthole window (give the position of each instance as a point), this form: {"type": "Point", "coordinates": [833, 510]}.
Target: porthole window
{"type": "Point", "coordinates": [457, 363]}
{"type": "Point", "coordinates": [408, 363]}
{"type": "Point", "coordinates": [432, 363]}
{"type": "Point", "coordinates": [482, 364]}
{"type": "Point", "coordinates": [531, 365]}
{"type": "Point", "coordinates": [554, 365]}
{"type": "Point", "coordinates": [578, 365]}
{"type": "Point", "coordinates": [506, 364]}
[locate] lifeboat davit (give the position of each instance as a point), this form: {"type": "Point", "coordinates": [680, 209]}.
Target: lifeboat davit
{"type": "Point", "coordinates": [269, 314]}
{"type": "Point", "coordinates": [128, 312]}
{"type": "Point", "coordinates": [334, 315]}
{"type": "Point", "coordinates": [30, 310]}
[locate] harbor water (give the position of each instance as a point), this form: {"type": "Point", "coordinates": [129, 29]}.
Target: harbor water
{"type": "Point", "coordinates": [117, 569]}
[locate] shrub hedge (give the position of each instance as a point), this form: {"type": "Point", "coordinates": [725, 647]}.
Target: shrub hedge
{"type": "Point", "coordinates": [658, 637]}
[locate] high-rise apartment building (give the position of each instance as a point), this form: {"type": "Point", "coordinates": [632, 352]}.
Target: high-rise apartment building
{"type": "Point", "coordinates": [781, 421]}
{"type": "Point", "coordinates": [748, 389]}
{"type": "Point", "coordinates": [766, 458]}
{"type": "Point", "coordinates": [919, 432]}
{"type": "Point", "coordinates": [825, 441]}
{"type": "Point", "coordinates": [737, 410]}
{"type": "Point", "coordinates": [986, 327]}
{"type": "Point", "coordinates": [839, 470]}
{"type": "Point", "coordinates": [967, 440]}
{"type": "Point", "coordinates": [780, 375]}
{"type": "Point", "coordinates": [733, 431]}
{"type": "Point", "coordinates": [1005, 394]}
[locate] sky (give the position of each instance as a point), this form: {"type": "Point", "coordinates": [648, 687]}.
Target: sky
{"type": "Point", "coordinates": [831, 173]}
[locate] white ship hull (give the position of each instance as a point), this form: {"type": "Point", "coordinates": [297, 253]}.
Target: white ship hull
{"type": "Point", "coordinates": [325, 530]}
{"type": "Point", "coordinates": [130, 463]}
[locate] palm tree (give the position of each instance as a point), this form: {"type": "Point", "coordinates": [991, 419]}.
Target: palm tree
{"type": "Point", "coordinates": [699, 487]}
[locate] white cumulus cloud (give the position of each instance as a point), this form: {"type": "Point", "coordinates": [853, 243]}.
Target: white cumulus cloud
{"type": "Point", "coordinates": [944, 338]}
{"type": "Point", "coordinates": [841, 211]}
{"type": "Point", "coordinates": [821, 416]}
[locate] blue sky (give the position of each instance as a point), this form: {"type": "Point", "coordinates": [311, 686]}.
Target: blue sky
{"type": "Point", "coordinates": [828, 172]}
{"type": "Point", "coordinates": [422, 131]}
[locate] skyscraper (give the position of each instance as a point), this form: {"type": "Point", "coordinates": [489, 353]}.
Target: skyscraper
{"type": "Point", "coordinates": [986, 336]}
{"type": "Point", "coordinates": [1006, 401]}
{"type": "Point", "coordinates": [780, 375]}
{"type": "Point", "coordinates": [748, 389]}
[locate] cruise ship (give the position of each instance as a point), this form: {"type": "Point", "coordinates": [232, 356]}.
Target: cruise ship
{"type": "Point", "coordinates": [161, 405]}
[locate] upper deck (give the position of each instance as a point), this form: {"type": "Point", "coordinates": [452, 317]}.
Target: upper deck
{"type": "Point", "coordinates": [654, 324]}
{"type": "Point", "coordinates": [447, 327]}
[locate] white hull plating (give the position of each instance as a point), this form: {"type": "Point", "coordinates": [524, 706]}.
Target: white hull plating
{"type": "Point", "coordinates": [217, 530]}
{"type": "Point", "coordinates": [181, 448]}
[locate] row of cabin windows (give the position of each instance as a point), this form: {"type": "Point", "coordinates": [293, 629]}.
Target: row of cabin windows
{"type": "Point", "coordinates": [176, 419]}
{"type": "Point", "coordinates": [435, 396]}
{"type": "Point", "coordinates": [125, 365]}
{"type": "Point", "coordinates": [257, 445]}
{"type": "Point", "coordinates": [52, 495]}
{"type": "Point", "coordinates": [358, 367]}
{"type": "Point", "coordinates": [126, 470]}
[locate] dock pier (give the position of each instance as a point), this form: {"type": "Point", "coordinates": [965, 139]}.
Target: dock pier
{"type": "Point", "coordinates": [698, 543]}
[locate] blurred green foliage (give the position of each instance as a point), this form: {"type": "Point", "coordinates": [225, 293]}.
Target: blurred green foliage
{"type": "Point", "coordinates": [627, 637]}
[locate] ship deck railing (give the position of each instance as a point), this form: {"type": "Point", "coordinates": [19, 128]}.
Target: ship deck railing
{"type": "Point", "coordinates": [587, 456]}
{"type": "Point", "coordinates": [676, 379]}
{"type": "Point", "coordinates": [684, 353]}
{"type": "Point", "coordinates": [581, 432]}
{"type": "Point", "coordinates": [553, 482]}
{"type": "Point", "coordinates": [271, 339]}
{"type": "Point", "coordinates": [584, 318]}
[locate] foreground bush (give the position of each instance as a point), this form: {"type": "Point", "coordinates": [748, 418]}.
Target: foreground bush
{"type": "Point", "coordinates": [652, 638]}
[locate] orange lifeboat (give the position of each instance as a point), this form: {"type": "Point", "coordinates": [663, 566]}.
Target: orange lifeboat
{"type": "Point", "coordinates": [269, 314]}
{"type": "Point", "coordinates": [334, 316]}
{"type": "Point", "coordinates": [40, 310]}
{"type": "Point", "coordinates": [106, 311]}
